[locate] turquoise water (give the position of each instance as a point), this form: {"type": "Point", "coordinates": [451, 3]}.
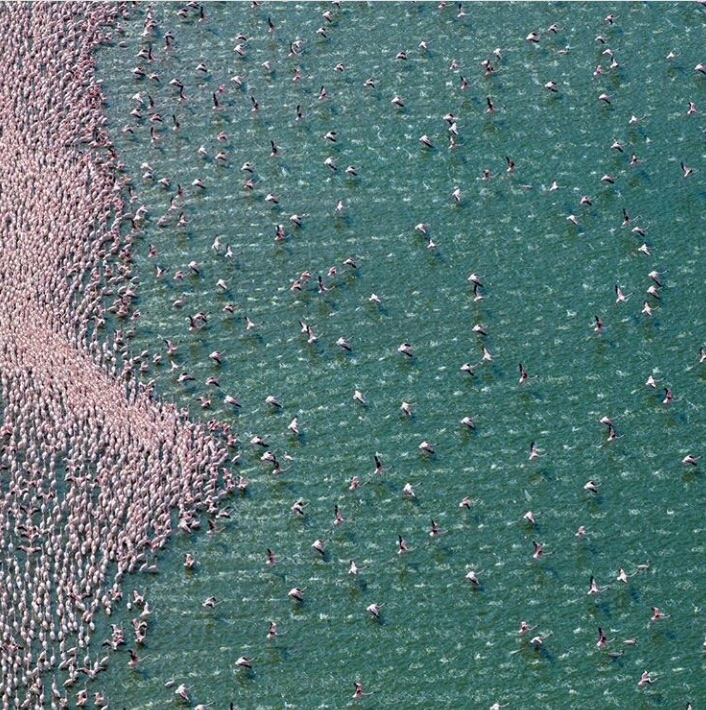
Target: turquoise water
{"type": "Point", "coordinates": [440, 641]}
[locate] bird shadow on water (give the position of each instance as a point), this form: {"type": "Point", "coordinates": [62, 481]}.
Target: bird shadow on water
{"type": "Point", "coordinates": [358, 587]}
{"type": "Point", "coordinates": [408, 567]}
{"type": "Point", "coordinates": [442, 553]}
{"type": "Point", "coordinates": [282, 653]}
{"type": "Point", "coordinates": [541, 475]}
{"type": "Point", "coordinates": [252, 337]}
{"type": "Point", "coordinates": [382, 486]}
{"type": "Point", "coordinates": [467, 435]}
{"type": "Point", "coordinates": [412, 502]}
{"type": "Point", "coordinates": [246, 676]}
{"type": "Point", "coordinates": [533, 397]}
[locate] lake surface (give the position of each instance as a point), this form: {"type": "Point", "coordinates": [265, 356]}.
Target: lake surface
{"type": "Point", "coordinates": [440, 641]}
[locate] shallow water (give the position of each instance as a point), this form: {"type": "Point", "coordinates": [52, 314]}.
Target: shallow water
{"type": "Point", "coordinates": [440, 641]}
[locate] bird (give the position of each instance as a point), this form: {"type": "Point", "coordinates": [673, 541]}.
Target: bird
{"type": "Point", "coordinates": [525, 627]}
{"type": "Point", "coordinates": [405, 349]}
{"type": "Point", "coordinates": [619, 295]}
{"type": "Point", "coordinates": [655, 276]}
{"type": "Point", "coordinates": [623, 575]}
{"type": "Point", "coordinates": [602, 638]}
{"type": "Point", "coordinates": [472, 577]}
{"type": "Point", "coordinates": [189, 561]}
{"type": "Point", "coordinates": [374, 610]}
{"type": "Point", "coordinates": [343, 343]}
{"type": "Point", "coordinates": [654, 291]}
{"type": "Point", "coordinates": [645, 679]}
{"type": "Point", "coordinates": [296, 594]}
{"type": "Point", "coordinates": [338, 517]}
{"type": "Point", "coordinates": [243, 662]}
{"type": "Point", "coordinates": [183, 692]}
{"type": "Point", "coordinates": [298, 507]}
{"type": "Point", "coordinates": [658, 614]}
{"type": "Point", "coordinates": [468, 423]}
{"type": "Point", "coordinates": [538, 640]}
{"type": "Point", "coordinates": [359, 692]}
{"type": "Point", "coordinates": [593, 587]}
{"type": "Point", "coordinates": [534, 451]}
{"type": "Point", "coordinates": [475, 280]}
{"type": "Point", "coordinates": [686, 170]}
{"type": "Point", "coordinates": [426, 447]}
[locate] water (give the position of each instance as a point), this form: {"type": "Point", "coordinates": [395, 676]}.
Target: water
{"type": "Point", "coordinates": [440, 642]}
